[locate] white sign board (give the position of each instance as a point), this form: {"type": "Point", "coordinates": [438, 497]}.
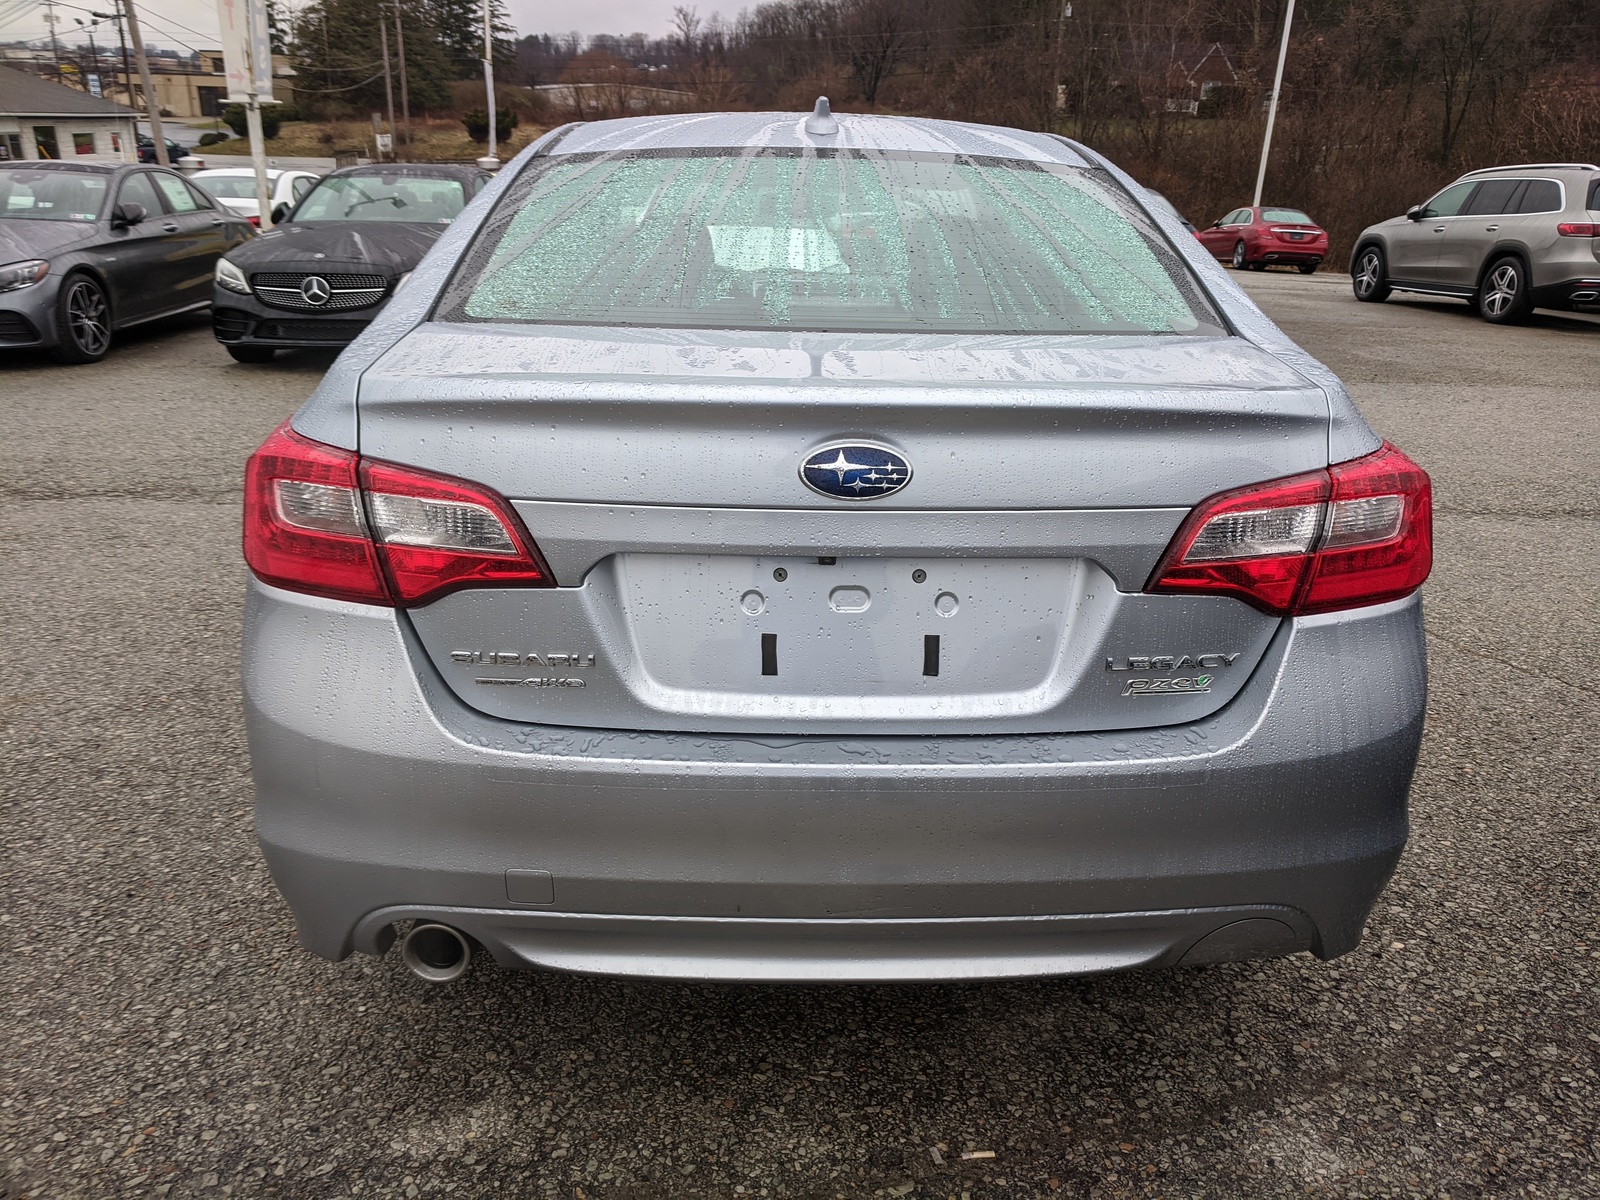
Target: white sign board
{"type": "Point", "coordinates": [246, 50]}
{"type": "Point", "coordinates": [385, 142]}
{"type": "Point", "coordinates": [94, 84]}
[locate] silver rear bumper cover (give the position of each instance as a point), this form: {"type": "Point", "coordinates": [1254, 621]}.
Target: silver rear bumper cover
{"type": "Point", "coordinates": [380, 797]}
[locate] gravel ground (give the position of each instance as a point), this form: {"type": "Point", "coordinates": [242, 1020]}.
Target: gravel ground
{"type": "Point", "coordinates": [167, 1038]}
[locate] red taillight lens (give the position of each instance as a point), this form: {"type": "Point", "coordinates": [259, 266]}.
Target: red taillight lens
{"type": "Point", "coordinates": [303, 525]}
{"type": "Point", "coordinates": [439, 534]}
{"type": "Point", "coordinates": [256, 221]}
{"type": "Point", "coordinates": [1578, 229]}
{"type": "Point", "coordinates": [324, 521]}
{"type": "Point", "coordinates": [1357, 533]}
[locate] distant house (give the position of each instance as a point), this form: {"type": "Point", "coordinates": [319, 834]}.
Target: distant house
{"type": "Point", "coordinates": [41, 119]}
{"type": "Point", "coordinates": [1176, 77]}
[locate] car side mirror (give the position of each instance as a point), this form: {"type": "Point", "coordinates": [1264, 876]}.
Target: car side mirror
{"type": "Point", "coordinates": [1217, 224]}
{"type": "Point", "coordinates": [124, 215]}
{"type": "Point", "coordinates": [1414, 213]}
{"type": "Point", "coordinates": [280, 212]}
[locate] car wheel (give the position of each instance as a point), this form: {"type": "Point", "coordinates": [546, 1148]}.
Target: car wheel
{"type": "Point", "coordinates": [83, 321]}
{"type": "Point", "coordinates": [1503, 295]}
{"type": "Point", "coordinates": [251, 354]}
{"type": "Point", "coordinates": [1307, 268]}
{"type": "Point", "coordinates": [1238, 256]}
{"type": "Point", "coordinates": [1370, 276]}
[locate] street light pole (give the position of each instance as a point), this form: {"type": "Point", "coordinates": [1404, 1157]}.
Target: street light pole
{"type": "Point", "coordinates": [388, 82]}
{"type": "Point", "coordinates": [405, 94]}
{"type": "Point", "coordinates": [491, 161]}
{"type": "Point", "coordinates": [1272, 108]}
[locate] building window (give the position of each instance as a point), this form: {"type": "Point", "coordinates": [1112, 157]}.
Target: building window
{"type": "Point", "coordinates": [10, 146]}
{"type": "Point", "coordinates": [83, 143]}
{"type": "Point", "coordinates": [116, 143]}
{"type": "Point", "coordinates": [44, 140]}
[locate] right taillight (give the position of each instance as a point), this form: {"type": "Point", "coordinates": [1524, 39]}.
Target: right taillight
{"type": "Point", "coordinates": [1578, 229]}
{"type": "Point", "coordinates": [1359, 532]}
{"type": "Point", "coordinates": [325, 521]}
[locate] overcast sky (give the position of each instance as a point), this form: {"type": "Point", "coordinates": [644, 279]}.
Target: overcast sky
{"type": "Point", "coordinates": [192, 24]}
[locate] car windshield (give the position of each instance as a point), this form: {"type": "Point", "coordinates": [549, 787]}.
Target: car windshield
{"type": "Point", "coordinates": [1286, 216]}
{"type": "Point", "coordinates": [824, 239]}
{"type": "Point", "coordinates": [379, 197]}
{"type": "Point", "coordinates": [231, 187]}
{"type": "Point", "coordinates": [52, 195]}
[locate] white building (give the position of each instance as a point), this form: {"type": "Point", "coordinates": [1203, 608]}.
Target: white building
{"type": "Point", "coordinates": [41, 119]}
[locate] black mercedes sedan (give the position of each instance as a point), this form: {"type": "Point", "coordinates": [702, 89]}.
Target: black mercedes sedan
{"type": "Point", "coordinates": [318, 279]}
{"type": "Point", "coordinates": [87, 249]}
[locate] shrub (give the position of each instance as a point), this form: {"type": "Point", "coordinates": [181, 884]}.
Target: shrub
{"type": "Point", "coordinates": [235, 118]}
{"type": "Point", "coordinates": [477, 123]}
{"type": "Point", "coordinates": [213, 137]}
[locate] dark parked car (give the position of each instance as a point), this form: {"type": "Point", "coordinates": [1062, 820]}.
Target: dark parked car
{"type": "Point", "coordinates": [1259, 238]}
{"type": "Point", "coordinates": [320, 278]}
{"type": "Point", "coordinates": [147, 150]}
{"type": "Point", "coordinates": [87, 249]}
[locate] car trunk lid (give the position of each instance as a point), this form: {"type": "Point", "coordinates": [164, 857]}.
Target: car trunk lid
{"type": "Point", "coordinates": [703, 586]}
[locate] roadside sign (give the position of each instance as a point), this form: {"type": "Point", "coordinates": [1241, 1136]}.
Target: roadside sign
{"type": "Point", "coordinates": [94, 84]}
{"type": "Point", "coordinates": [246, 50]}
{"type": "Point", "coordinates": [385, 142]}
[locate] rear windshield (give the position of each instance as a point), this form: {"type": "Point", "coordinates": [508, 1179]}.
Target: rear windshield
{"type": "Point", "coordinates": [842, 240]}
{"type": "Point", "coordinates": [1286, 216]}
{"type": "Point", "coordinates": [379, 197]}
{"type": "Point", "coordinates": [51, 195]}
{"type": "Point", "coordinates": [230, 187]}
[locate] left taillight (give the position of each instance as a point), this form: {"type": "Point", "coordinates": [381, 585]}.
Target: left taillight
{"type": "Point", "coordinates": [328, 522]}
{"type": "Point", "coordinates": [1359, 532]}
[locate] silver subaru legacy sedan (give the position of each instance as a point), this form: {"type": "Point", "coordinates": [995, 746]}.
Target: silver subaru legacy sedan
{"type": "Point", "coordinates": [811, 548]}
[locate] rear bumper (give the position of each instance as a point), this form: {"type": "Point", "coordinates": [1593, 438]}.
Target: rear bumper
{"type": "Point", "coordinates": [1282, 254]}
{"type": "Point", "coordinates": [1579, 295]}
{"type": "Point", "coordinates": [380, 797]}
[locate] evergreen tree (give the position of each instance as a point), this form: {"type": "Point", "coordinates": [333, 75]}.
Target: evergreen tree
{"type": "Point", "coordinates": [339, 59]}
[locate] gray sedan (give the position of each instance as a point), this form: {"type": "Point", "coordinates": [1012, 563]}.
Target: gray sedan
{"type": "Point", "coordinates": [771, 547]}
{"type": "Point", "coordinates": [87, 249]}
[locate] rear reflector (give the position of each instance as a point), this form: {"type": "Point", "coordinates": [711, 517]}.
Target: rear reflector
{"type": "Point", "coordinates": [1360, 532]}
{"type": "Point", "coordinates": [327, 522]}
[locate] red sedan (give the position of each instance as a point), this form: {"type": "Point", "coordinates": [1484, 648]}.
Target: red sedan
{"type": "Point", "coordinates": [1260, 237]}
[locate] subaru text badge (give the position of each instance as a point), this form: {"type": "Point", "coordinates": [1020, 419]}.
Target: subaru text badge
{"type": "Point", "coordinates": [855, 471]}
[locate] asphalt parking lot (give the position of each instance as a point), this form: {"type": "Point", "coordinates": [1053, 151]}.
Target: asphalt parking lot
{"type": "Point", "coordinates": [165, 1037]}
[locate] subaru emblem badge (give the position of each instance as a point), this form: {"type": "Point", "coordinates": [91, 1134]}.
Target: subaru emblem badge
{"type": "Point", "coordinates": [855, 470]}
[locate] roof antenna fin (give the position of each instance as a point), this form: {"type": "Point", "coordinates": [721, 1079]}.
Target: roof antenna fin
{"type": "Point", "coordinates": [821, 120]}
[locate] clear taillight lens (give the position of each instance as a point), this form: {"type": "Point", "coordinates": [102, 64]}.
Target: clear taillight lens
{"type": "Point", "coordinates": [1357, 533]}
{"type": "Point", "coordinates": [324, 521]}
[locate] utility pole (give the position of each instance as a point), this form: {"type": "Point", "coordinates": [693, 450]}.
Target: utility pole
{"type": "Point", "coordinates": [1272, 107]}
{"type": "Point", "coordinates": [151, 105]}
{"type": "Point", "coordinates": [491, 161]}
{"type": "Point", "coordinates": [388, 83]}
{"type": "Point", "coordinates": [50, 19]}
{"type": "Point", "coordinates": [400, 47]}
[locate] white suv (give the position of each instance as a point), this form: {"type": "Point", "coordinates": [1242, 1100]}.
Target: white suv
{"type": "Point", "coordinates": [1508, 239]}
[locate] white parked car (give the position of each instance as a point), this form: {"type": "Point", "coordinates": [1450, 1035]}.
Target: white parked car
{"type": "Point", "coordinates": [235, 189]}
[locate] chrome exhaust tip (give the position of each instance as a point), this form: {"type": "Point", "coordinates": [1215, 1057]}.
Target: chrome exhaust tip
{"type": "Point", "coordinates": [436, 953]}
